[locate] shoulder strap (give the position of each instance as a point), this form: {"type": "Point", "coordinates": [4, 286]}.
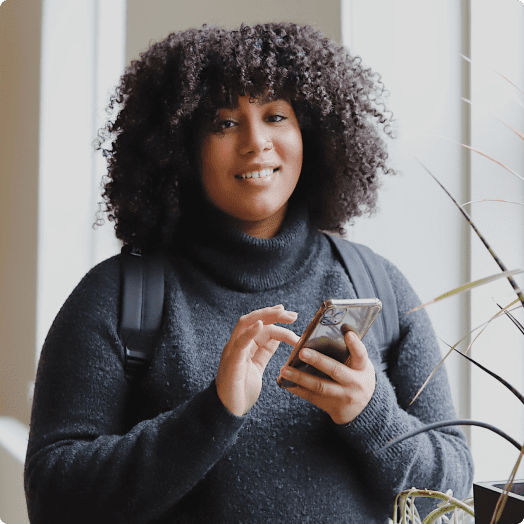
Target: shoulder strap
{"type": "Point", "coordinates": [369, 278]}
{"type": "Point", "coordinates": [141, 307]}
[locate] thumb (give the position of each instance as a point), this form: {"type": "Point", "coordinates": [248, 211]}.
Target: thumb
{"type": "Point", "coordinates": [357, 350]}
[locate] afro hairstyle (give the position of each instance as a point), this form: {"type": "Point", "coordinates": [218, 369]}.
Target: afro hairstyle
{"type": "Point", "coordinates": [166, 98]}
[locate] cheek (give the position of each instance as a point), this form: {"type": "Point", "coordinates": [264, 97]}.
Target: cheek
{"type": "Point", "coordinates": [214, 162]}
{"type": "Point", "coordinates": [213, 156]}
{"type": "Point", "coordinates": [294, 149]}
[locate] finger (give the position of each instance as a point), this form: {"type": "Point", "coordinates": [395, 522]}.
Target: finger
{"type": "Point", "coordinates": [243, 339]}
{"type": "Point", "coordinates": [357, 350]}
{"type": "Point", "coordinates": [249, 319]}
{"type": "Point", "coordinates": [306, 394]}
{"type": "Point", "coordinates": [312, 388]}
{"type": "Point", "coordinates": [267, 343]}
{"type": "Point", "coordinates": [336, 370]}
{"type": "Point", "coordinates": [269, 315]}
{"type": "Point", "coordinates": [283, 334]}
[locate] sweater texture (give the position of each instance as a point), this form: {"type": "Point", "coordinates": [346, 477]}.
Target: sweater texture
{"type": "Point", "coordinates": [166, 449]}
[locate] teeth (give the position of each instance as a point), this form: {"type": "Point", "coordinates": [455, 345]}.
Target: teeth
{"type": "Point", "coordinates": [257, 174]}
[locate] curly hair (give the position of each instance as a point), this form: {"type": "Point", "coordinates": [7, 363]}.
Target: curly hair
{"type": "Point", "coordinates": [167, 97]}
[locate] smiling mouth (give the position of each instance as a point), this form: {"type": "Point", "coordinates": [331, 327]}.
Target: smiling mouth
{"type": "Point", "coordinates": [257, 174]}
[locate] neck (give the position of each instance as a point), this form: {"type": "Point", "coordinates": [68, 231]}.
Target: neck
{"type": "Point", "coordinates": [265, 228]}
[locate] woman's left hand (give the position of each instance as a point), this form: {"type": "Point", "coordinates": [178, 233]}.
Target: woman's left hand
{"type": "Point", "coordinates": [351, 388]}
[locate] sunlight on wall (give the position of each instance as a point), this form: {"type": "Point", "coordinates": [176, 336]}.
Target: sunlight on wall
{"type": "Point", "coordinates": [498, 45]}
{"type": "Point", "coordinates": [416, 226]}
{"type": "Point", "coordinates": [75, 83]}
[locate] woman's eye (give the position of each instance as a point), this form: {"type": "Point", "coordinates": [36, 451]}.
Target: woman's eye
{"type": "Point", "coordinates": [276, 118]}
{"type": "Point", "coordinates": [219, 126]}
{"type": "Point", "coordinates": [226, 124]}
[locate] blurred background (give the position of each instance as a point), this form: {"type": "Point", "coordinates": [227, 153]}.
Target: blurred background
{"type": "Point", "coordinates": [60, 60]}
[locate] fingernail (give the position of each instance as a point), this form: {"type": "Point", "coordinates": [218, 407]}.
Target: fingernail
{"type": "Point", "coordinates": [306, 353]}
{"type": "Point", "coordinates": [344, 328]}
{"type": "Point", "coordinates": [286, 372]}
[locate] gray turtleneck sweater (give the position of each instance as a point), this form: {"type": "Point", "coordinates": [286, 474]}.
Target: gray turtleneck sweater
{"type": "Point", "coordinates": [167, 450]}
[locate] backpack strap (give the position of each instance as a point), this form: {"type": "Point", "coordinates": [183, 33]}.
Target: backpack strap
{"type": "Point", "coordinates": [141, 308]}
{"type": "Point", "coordinates": [370, 280]}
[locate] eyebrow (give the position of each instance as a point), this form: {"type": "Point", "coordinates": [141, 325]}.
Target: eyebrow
{"type": "Point", "coordinates": [260, 101]}
{"type": "Point", "coordinates": [266, 100]}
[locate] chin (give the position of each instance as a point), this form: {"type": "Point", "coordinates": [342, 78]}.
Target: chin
{"type": "Point", "coordinates": [258, 215]}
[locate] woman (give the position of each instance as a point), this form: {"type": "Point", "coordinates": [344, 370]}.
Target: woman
{"type": "Point", "coordinates": [230, 150]}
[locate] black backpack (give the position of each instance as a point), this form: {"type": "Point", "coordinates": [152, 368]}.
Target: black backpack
{"type": "Point", "coordinates": [143, 300]}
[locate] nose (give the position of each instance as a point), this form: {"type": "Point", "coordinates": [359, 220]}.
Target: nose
{"type": "Point", "coordinates": [255, 138]}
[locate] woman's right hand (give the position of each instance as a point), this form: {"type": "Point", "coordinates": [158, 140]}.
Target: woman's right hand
{"type": "Point", "coordinates": [253, 342]}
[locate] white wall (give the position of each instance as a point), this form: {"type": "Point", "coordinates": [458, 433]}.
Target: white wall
{"type": "Point", "coordinates": [416, 45]}
{"type": "Point", "coordinates": [497, 45]}
{"type": "Point", "coordinates": [155, 19]}
{"type": "Point", "coordinates": [74, 91]}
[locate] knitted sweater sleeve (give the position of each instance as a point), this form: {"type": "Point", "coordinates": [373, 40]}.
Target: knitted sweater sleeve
{"type": "Point", "coordinates": [438, 459]}
{"type": "Point", "coordinates": [84, 462]}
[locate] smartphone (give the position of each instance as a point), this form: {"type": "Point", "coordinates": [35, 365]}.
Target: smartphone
{"type": "Point", "coordinates": [326, 331]}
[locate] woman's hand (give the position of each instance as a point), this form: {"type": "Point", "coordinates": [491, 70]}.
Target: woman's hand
{"type": "Point", "coordinates": [351, 388]}
{"type": "Point", "coordinates": [245, 357]}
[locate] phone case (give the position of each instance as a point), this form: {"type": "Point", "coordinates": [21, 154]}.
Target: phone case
{"type": "Point", "coordinates": [326, 331]}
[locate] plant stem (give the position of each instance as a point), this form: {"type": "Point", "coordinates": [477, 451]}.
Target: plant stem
{"type": "Point", "coordinates": [488, 247]}
{"type": "Point", "coordinates": [444, 423]}
{"type": "Point", "coordinates": [404, 495]}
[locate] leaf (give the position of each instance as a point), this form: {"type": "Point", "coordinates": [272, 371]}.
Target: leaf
{"type": "Point", "coordinates": [483, 240]}
{"type": "Point", "coordinates": [512, 318]}
{"type": "Point", "coordinates": [431, 375]}
{"type": "Point", "coordinates": [468, 287]}
{"type": "Point", "coordinates": [494, 375]}
{"type": "Point", "coordinates": [518, 133]}
{"type": "Point", "coordinates": [491, 200]}
{"type": "Point", "coordinates": [480, 333]}
{"type": "Point", "coordinates": [483, 326]}
{"type": "Point", "coordinates": [484, 155]}
{"type": "Point", "coordinates": [496, 72]}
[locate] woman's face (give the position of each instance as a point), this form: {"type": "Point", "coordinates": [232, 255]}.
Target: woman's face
{"type": "Point", "coordinates": [251, 164]}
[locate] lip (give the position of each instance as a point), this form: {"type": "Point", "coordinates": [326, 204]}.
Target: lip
{"type": "Point", "coordinates": [257, 168]}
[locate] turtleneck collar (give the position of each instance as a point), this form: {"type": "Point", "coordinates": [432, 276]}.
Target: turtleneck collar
{"type": "Point", "coordinates": [247, 263]}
